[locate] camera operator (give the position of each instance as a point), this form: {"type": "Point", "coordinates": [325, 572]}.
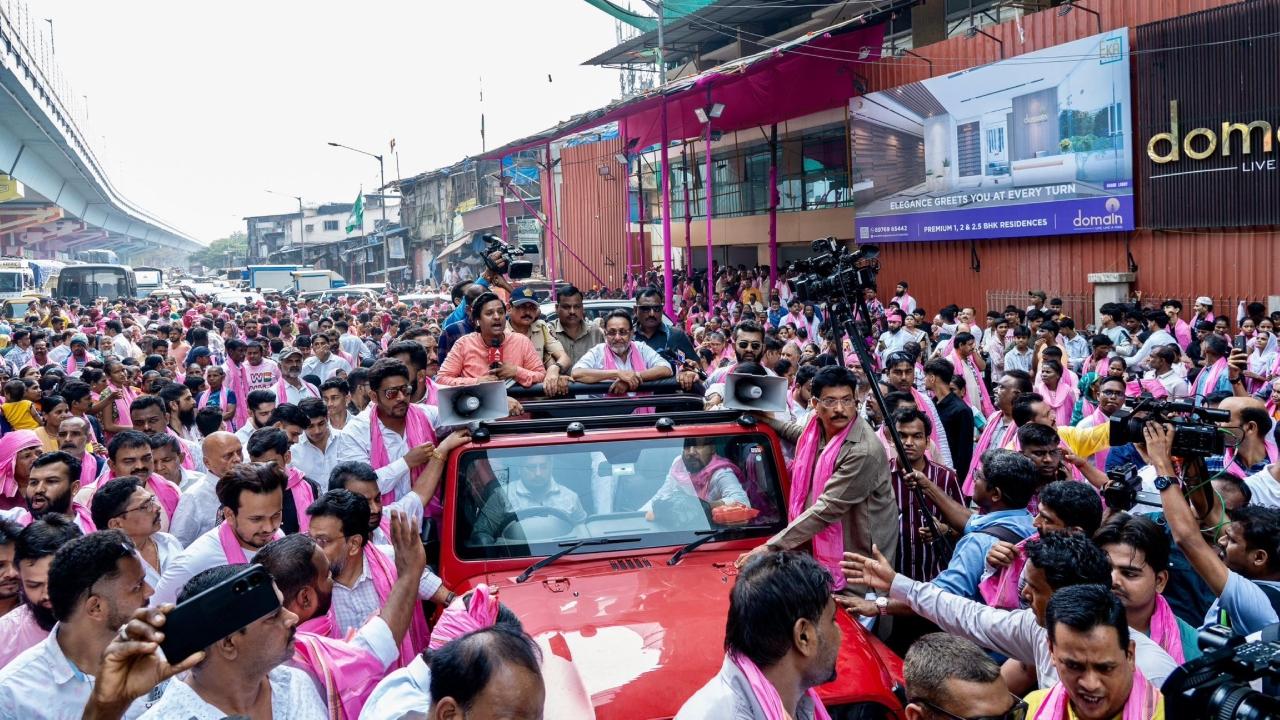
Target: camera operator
{"type": "Point", "coordinates": [1246, 576]}
{"type": "Point", "coordinates": [1250, 423]}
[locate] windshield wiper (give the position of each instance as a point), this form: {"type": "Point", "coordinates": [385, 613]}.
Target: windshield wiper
{"type": "Point", "coordinates": [568, 548]}
{"type": "Point", "coordinates": [707, 536]}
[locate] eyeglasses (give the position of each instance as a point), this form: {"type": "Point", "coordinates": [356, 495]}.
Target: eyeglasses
{"type": "Point", "coordinates": [617, 333]}
{"type": "Point", "coordinates": [1017, 712]}
{"type": "Point", "coordinates": [392, 393]}
{"type": "Point", "coordinates": [149, 504]}
{"type": "Point", "coordinates": [648, 308]}
{"type": "Point", "coordinates": [1110, 393]}
{"type": "Point", "coordinates": [754, 345]}
{"type": "Point", "coordinates": [831, 403]}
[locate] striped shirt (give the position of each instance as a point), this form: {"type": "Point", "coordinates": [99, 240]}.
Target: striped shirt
{"type": "Point", "coordinates": [917, 558]}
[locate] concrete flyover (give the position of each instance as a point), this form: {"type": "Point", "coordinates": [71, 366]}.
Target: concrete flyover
{"type": "Point", "coordinates": [62, 200]}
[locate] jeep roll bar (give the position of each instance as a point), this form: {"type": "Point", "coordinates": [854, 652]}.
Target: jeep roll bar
{"type": "Point", "coordinates": [654, 387]}
{"type": "Point", "coordinates": [577, 426]}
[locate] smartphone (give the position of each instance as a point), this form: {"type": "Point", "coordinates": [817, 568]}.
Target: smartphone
{"type": "Point", "coordinates": [203, 619]}
{"type": "Point", "coordinates": [1240, 342]}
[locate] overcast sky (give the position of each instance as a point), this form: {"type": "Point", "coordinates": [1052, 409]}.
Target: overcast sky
{"type": "Point", "coordinates": [198, 108]}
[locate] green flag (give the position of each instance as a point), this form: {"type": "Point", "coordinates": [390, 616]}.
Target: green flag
{"type": "Point", "coordinates": [356, 219]}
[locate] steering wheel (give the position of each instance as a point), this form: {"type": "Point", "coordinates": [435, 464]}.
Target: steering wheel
{"type": "Point", "coordinates": [553, 523]}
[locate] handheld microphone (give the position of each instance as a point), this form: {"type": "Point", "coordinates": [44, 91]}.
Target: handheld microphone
{"type": "Point", "coordinates": [495, 354]}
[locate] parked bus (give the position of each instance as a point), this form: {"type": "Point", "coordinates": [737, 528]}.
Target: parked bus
{"type": "Point", "coordinates": [148, 278]}
{"type": "Point", "coordinates": [16, 278]}
{"type": "Point", "coordinates": [87, 283]}
{"type": "Point", "coordinates": [98, 256]}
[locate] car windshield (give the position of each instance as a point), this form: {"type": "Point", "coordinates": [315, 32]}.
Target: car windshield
{"type": "Point", "coordinates": [522, 502]}
{"type": "Point", "coordinates": [10, 281]}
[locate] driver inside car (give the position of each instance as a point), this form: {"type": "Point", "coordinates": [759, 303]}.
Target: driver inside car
{"type": "Point", "coordinates": [699, 471]}
{"type": "Point", "coordinates": [534, 488]}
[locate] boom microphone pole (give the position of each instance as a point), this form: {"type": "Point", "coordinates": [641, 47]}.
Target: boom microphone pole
{"type": "Point", "coordinates": [858, 340]}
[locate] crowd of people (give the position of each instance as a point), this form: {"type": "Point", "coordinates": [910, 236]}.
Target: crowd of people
{"type": "Point", "coordinates": [149, 452]}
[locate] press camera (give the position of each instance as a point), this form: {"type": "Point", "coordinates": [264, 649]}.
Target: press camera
{"type": "Point", "coordinates": [1217, 684]}
{"type": "Point", "coordinates": [1195, 429]}
{"type": "Point", "coordinates": [833, 270]}
{"type": "Point", "coordinates": [486, 244]}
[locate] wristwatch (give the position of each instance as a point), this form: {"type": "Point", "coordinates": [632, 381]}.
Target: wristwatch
{"type": "Point", "coordinates": [1164, 482]}
{"type": "Point", "coordinates": [882, 605]}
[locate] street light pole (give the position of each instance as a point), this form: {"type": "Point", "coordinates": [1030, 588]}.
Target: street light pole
{"type": "Point", "coordinates": [302, 228]}
{"type": "Point", "coordinates": [382, 200]}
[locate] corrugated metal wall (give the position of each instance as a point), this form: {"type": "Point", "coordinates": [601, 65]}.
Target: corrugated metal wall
{"type": "Point", "coordinates": [1224, 264]}
{"type": "Point", "coordinates": [592, 213]}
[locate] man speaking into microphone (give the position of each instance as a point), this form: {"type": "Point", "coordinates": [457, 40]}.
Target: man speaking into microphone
{"type": "Point", "coordinates": [491, 353]}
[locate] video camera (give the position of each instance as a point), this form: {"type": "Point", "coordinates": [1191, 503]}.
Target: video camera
{"type": "Point", "coordinates": [833, 269]}
{"type": "Point", "coordinates": [486, 244]}
{"type": "Point", "coordinates": [1195, 430]}
{"type": "Point", "coordinates": [1216, 685]}
{"type": "Point", "coordinates": [1124, 490]}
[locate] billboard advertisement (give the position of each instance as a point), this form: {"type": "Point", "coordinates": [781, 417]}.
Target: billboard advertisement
{"type": "Point", "coordinates": [1039, 144]}
{"type": "Point", "coordinates": [1207, 118]}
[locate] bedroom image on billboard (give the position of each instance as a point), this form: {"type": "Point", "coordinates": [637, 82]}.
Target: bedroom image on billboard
{"type": "Point", "coordinates": [1038, 144]}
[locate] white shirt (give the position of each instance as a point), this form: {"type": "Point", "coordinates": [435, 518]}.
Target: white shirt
{"type": "Point", "coordinates": [293, 695]}
{"type": "Point", "coordinates": [204, 553]}
{"type": "Point", "coordinates": [353, 346]}
{"type": "Point", "coordinates": [1265, 487]}
{"type": "Point", "coordinates": [121, 346]}
{"type": "Point", "coordinates": [594, 358]}
{"type": "Point", "coordinates": [402, 695]}
{"type": "Point", "coordinates": [43, 683]}
{"type": "Point", "coordinates": [314, 462]}
{"type": "Point", "coordinates": [352, 606]}
{"type": "Point", "coordinates": [243, 432]}
{"type": "Point", "coordinates": [327, 369]}
{"type": "Point", "coordinates": [294, 395]}
{"type": "Point", "coordinates": [353, 444]}
{"type": "Point", "coordinates": [1174, 384]}
{"type": "Point", "coordinates": [1154, 340]}
{"type": "Point", "coordinates": [169, 548]}
{"type": "Point", "coordinates": [197, 511]}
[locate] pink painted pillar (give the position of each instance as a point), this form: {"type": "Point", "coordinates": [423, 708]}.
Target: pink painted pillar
{"type": "Point", "coordinates": [667, 280]}
{"type": "Point", "coordinates": [773, 210]}
{"type": "Point", "coordinates": [549, 197]}
{"type": "Point", "coordinates": [688, 211]}
{"type": "Point", "coordinates": [502, 200]}
{"type": "Point", "coordinates": [707, 187]}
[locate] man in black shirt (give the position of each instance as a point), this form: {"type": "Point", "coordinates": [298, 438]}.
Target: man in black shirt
{"type": "Point", "coordinates": [957, 418]}
{"type": "Point", "coordinates": [668, 341]}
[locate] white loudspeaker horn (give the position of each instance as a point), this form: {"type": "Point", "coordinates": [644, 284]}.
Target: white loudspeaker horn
{"type": "Point", "coordinates": [755, 392]}
{"type": "Point", "coordinates": [465, 404]}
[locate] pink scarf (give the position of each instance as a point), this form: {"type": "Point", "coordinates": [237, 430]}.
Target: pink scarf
{"type": "Point", "coordinates": [1164, 630]}
{"type": "Point", "coordinates": [828, 543]}
{"type": "Point", "coordinates": [240, 386]}
{"type": "Point", "coordinates": [231, 545]}
{"type": "Point", "coordinates": [1229, 456]}
{"type": "Point", "coordinates": [383, 572]}
{"type": "Point", "coordinates": [84, 518]}
{"type": "Point", "coordinates": [417, 430]}
{"type": "Point", "coordinates": [71, 363]}
{"type": "Point", "coordinates": [766, 695]}
{"type": "Point", "coordinates": [88, 471]}
{"type": "Point", "coordinates": [10, 445]}
{"type": "Point", "coordinates": [637, 365]}
{"type": "Point", "coordinates": [1182, 332]}
{"type": "Point", "coordinates": [968, 362]}
{"type": "Point", "coordinates": [1210, 376]}
{"type": "Point", "coordinates": [124, 398]}
{"type": "Point", "coordinates": [1135, 388]}
{"type": "Point", "coordinates": [700, 481]}
{"type": "Point", "coordinates": [348, 673]}
{"type": "Point", "coordinates": [1000, 589]}
{"type": "Point", "coordinates": [282, 388]}
{"type": "Point", "coordinates": [188, 462]}
{"type": "Point", "coordinates": [1062, 400]}
{"type": "Point", "coordinates": [1141, 705]}
{"type": "Point", "coordinates": [303, 495]}
{"type": "Point", "coordinates": [458, 619]}
{"type": "Point", "coordinates": [986, 441]}
{"type": "Point", "coordinates": [204, 398]}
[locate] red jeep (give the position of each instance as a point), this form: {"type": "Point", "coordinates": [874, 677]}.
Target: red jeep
{"type": "Point", "coordinates": [615, 569]}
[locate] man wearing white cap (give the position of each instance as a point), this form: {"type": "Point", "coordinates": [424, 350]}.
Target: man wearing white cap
{"type": "Point", "coordinates": [1203, 311]}
{"type": "Point", "coordinates": [292, 388]}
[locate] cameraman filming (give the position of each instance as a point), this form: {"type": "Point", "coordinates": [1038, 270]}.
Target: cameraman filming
{"type": "Point", "coordinates": [1245, 573]}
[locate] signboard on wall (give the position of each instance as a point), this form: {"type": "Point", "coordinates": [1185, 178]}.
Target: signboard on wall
{"type": "Point", "coordinates": [1208, 118]}
{"type": "Point", "coordinates": [1039, 144]}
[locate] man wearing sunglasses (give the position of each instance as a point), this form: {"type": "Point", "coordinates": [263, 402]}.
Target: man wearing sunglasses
{"type": "Point", "coordinates": [748, 346]}
{"type": "Point", "coordinates": [950, 678]}
{"type": "Point", "coordinates": [668, 341]}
